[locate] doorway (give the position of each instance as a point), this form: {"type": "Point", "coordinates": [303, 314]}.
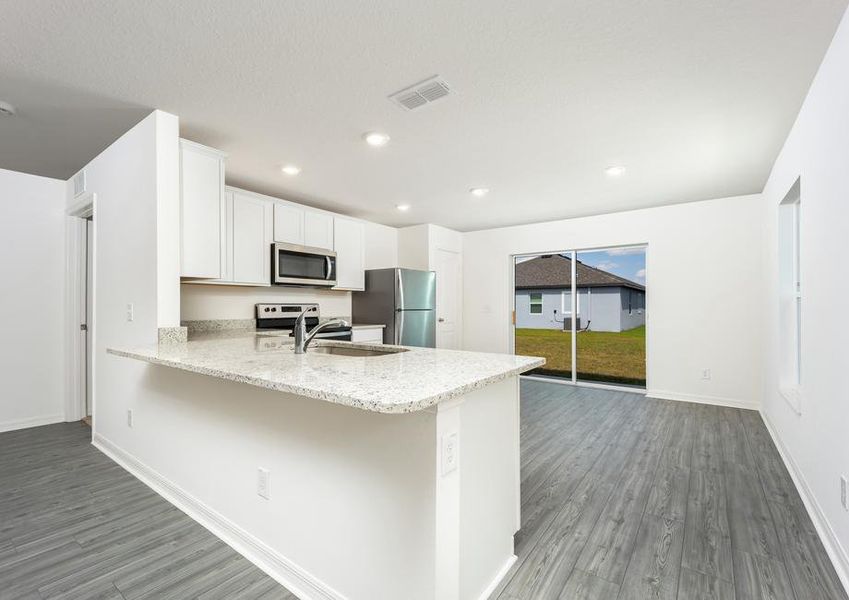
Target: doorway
{"type": "Point", "coordinates": [585, 311]}
{"type": "Point", "coordinates": [81, 286]}
{"type": "Point", "coordinates": [87, 286]}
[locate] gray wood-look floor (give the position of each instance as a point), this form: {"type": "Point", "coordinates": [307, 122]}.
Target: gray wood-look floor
{"type": "Point", "coordinates": [622, 497]}
{"type": "Point", "coordinates": [625, 497]}
{"type": "Point", "coordinates": [75, 525]}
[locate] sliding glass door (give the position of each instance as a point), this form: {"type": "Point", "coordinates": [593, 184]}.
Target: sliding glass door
{"type": "Point", "coordinates": [611, 338]}
{"type": "Point", "coordinates": [585, 312]}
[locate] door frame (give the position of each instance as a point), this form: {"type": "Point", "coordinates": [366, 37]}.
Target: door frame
{"type": "Point", "coordinates": [78, 212]}
{"type": "Point", "coordinates": [511, 291]}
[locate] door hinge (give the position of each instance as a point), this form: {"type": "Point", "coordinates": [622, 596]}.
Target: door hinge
{"type": "Point", "coordinates": [83, 327]}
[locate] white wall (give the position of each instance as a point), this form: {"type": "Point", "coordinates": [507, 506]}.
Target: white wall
{"type": "Point", "coordinates": [381, 246]}
{"type": "Point", "coordinates": [418, 246]}
{"type": "Point", "coordinates": [32, 299]}
{"type": "Point", "coordinates": [704, 283]}
{"type": "Point", "coordinates": [133, 189]}
{"type": "Point", "coordinates": [814, 441]}
{"type": "Point", "coordinates": [201, 302]}
{"type": "Point", "coordinates": [413, 244]}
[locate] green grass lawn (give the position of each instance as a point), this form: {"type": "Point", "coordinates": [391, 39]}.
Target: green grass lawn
{"type": "Point", "coordinates": [602, 356]}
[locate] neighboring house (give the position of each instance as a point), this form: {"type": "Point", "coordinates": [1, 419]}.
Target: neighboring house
{"type": "Point", "coordinates": [606, 301]}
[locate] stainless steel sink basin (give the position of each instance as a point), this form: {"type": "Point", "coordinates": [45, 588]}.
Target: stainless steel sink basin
{"type": "Point", "coordinates": [352, 351]}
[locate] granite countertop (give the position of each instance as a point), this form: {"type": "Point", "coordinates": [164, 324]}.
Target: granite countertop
{"type": "Point", "coordinates": [400, 382]}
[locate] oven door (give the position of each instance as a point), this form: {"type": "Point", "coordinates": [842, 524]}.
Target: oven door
{"type": "Point", "coordinates": [303, 266]}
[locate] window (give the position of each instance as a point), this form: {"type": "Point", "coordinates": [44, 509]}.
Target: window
{"type": "Point", "coordinates": [535, 305]}
{"type": "Point", "coordinates": [790, 295]}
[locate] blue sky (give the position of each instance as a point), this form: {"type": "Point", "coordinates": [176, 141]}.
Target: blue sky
{"type": "Point", "coordinates": [629, 263]}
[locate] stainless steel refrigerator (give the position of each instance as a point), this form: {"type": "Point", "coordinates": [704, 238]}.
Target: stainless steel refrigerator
{"type": "Point", "coordinates": [402, 299]}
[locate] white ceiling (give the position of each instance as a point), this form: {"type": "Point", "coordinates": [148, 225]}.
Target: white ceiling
{"type": "Point", "coordinates": [694, 98]}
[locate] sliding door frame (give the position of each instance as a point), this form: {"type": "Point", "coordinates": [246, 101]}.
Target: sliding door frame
{"type": "Point", "coordinates": [574, 301]}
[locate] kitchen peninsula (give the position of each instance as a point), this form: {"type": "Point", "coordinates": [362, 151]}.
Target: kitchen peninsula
{"type": "Point", "coordinates": [391, 472]}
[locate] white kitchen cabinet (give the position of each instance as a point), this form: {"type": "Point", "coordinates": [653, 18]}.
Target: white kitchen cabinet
{"type": "Point", "coordinates": [295, 224]}
{"type": "Point", "coordinates": [288, 223]}
{"type": "Point", "coordinates": [247, 239]}
{"type": "Point", "coordinates": [202, 208]}
{"type": "Point", "coordinates": [318, 229]}
{"type": "Point", "coordinates": [367, 335]}
{"type": "Point", "coordinates": [251, 227]}
{"type": "Point", "coordinates": [349, 244]}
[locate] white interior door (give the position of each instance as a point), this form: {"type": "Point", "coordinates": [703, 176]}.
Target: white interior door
{"type": "Point", "coordinates": [448, 286]}
{"type": "Point", "coordinates": [89, 296]}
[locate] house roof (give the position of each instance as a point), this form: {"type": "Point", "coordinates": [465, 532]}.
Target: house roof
{"type": "Point", "coordinates": [555, 271]}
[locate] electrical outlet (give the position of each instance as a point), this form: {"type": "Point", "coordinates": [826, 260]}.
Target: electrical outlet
{"type": "Point", "coordinates": [129, 417]}
{"type": "Point", "coordinates": [450, 452]}
{"type": "Point", "coordinates": [843, 493]}
{"type": "Point", "coordinates": [130, 312]}
{"type": "Point", "coordinates": [263, 483]}
{"type": "Point", "coordinates": [706, 374]}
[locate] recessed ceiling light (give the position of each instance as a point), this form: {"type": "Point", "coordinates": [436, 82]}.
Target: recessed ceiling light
{"type": "Point", "coordinates": [291, 169]}
{"type": "Point", "coordinates": [479, 192]}
{"type": "Point", "coordinates": [375, 138]}
{"type": "Point", "coordinates": [615, 171]}
{"type": "Point", "coordinates": [403, 207]}
{"type": "Point", "coordinates": [6, 109]}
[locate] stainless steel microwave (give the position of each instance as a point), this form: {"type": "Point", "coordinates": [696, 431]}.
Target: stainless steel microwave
{"type": "Point", "coordinates": [303, 266]}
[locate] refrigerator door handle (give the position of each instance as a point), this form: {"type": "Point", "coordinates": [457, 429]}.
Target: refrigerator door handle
{"type": "Point", "coordinates": [399, 285]}
{"type": "Point", "coordinates": [399, 325]}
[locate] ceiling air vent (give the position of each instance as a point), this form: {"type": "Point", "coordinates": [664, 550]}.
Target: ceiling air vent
{"type": "Point", "coordinates": [424, 92]}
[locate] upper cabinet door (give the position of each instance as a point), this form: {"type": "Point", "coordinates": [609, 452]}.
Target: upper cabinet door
{"type": "Point", "coordinates": [288, 223]}
{"type": "Point", "coordinates": [202, 208]}
{"type": "Point", "coordinates": [251, 245]}
{"type": "Point", "coordinates": [349, 243]}
{"type": "Point", "coordinates": [318, 230]}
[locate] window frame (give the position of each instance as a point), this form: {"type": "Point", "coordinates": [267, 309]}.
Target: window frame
{"type": "Point", "coordinates": [531, 303]}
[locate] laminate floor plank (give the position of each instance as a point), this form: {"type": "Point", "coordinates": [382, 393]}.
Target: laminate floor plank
{"type": "Point", "coordinates": [585, 586]}
{"type": "Point", "coordinates": [761, 578]}
{"type": "Point", "coordinates": [698, 586]}
{"type": "Point", "coordinates": [655, 566]}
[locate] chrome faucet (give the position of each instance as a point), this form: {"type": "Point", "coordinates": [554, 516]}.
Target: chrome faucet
{"type": "Point", "coordinates": [302, 338]}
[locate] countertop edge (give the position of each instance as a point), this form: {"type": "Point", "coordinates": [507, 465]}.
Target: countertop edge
{"type": "Point", "coordinates": [414, 406]}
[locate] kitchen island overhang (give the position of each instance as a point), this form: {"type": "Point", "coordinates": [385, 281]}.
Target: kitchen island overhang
{"type": "Point", "coordinates": [404, 488]}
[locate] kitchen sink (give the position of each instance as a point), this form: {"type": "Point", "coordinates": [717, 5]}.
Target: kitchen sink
{"type": "Point", "coordinates": [352, 351]}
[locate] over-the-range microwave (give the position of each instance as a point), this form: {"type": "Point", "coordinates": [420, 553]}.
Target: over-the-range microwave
{"type": "Point", "coordinates": [303, 265]}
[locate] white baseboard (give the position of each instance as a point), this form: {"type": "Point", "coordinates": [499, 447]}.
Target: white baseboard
{"type": "Point", "coordinates": [836, 552]}
{"type": "Point", "coordinates": [699, 399]}
{"type": "Point", "coordinates": [298, 581]}
{"type": "Point", "coordinates": [498, 577]}
{"type": "Point", "coordinates": [31, 422]}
